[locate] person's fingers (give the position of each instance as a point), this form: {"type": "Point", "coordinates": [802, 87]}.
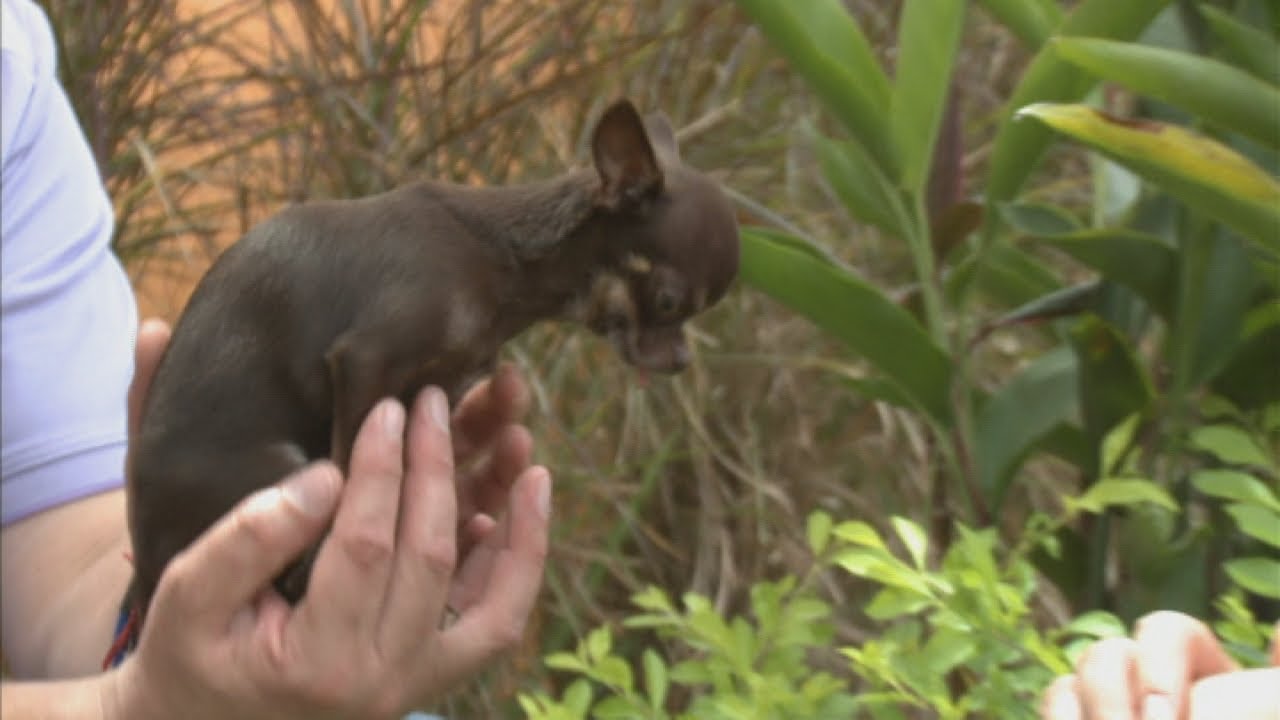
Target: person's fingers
{"type": "Point", "coordinates": [222, 571]}
{"type": "Point", "coordinates": [153, 337]}
{"type": "Point", "coordinates": [1107, 674]}
{"type": "Point", "coordinates": [426, 547]}
{"type": "Point", "coordinates": [1175, 650]}
{"type": "Point", "coordinates": [1275, 645]}
{"type": "Point", "coordinates": [488, 487]}
{"type": "Point", "coordinates": [500, 400]}
{"type": "Point", "coordinates": [1241, 695]}
{"type": "Point", "coordinates": [496, 622]}
{"type": "Point", "coordinates": [1062, 700]}
{"type": "Point", "coordinates": [348, 583]}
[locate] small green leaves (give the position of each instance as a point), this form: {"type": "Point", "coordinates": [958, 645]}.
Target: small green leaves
{"type": "Point", "coordinates": [1122, 492]}
{"type": "Point", "coordinates": [1231, 445]}
{"type": "Point", "coordinates": [1256, 574]}
{"type": "Point", "coordinates": [1235, 485]}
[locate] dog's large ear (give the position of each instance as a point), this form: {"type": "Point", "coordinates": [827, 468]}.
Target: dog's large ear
{"type": "Point", "coordinates": [624, 158]}
{"type": "Point", "coordinates": [662, 136]}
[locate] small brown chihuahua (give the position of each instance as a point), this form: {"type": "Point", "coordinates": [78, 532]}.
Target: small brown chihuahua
{"type": "Point", "coordinates": [320, 311]}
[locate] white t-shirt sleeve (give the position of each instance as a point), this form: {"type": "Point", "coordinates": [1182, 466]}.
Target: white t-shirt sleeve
{"type": "Point", "coordinates": [68, 319]}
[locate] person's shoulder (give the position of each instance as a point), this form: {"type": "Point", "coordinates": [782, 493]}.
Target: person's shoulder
{"type": "Point", "coordinates": [22, 28]}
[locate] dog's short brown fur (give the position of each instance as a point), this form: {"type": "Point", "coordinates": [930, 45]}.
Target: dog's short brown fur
{"type": "Point", "coordinates": [323, 309]}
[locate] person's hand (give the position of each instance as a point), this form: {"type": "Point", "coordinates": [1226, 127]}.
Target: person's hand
{"type": "Point", "coordinates": [365, 641]}
{"type": "Point", "coordinates": [1172, 669]}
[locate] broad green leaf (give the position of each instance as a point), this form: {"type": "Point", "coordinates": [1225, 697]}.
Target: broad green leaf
{"type": "Point", "coordinates": [1257, 575]}
{"type": "Point", "coordinates": [928, 35]}
{"type": "Point", "coordinates": [1217, 283]}
{"type": "Point", "coordinates": [1249, 378]}
{"type": "Point", "coordinates": [855, 312]}
{"type": "Point", "coordinates": [862, 186]}
{"type": "Point", "coordinates": [655, 678]}
{"type": "Point", "coordinates": [913, 537]}
{"type": "Point", "coordinates": [1141, 262]}
{"type": "Point", "coordinates": [1005, 273]}
{"type": "Point", "coordinates": [1203, 173]}
{"type": "Point", "coordinates": [1040, 219]}
{"type": "Point", "coordinates": [827, 48]}
{"type": "Point", "coordinates": [1257, 522]}
{"type": "Point", "coordinates": [1249, 47]}
{"type": "Point", "coordinates": [1235, 485]}
{"type": "Point", "coordinates": [1113, 383]}
{"type": "Point", "coordinates": [1018, 146]}
{"type": "Point", "coordinates": [1112, 492]}
{"type": "Point", "coordinates": [1033, 21]}
{"type": "Point", "coordinates": [1214, 91]}
{"type": "Point", "coordinates": [1231, 445]}
{"type": "Point", "coordinates": [1066, 302]}
{"type": "Point", "coordinates": [1015, 418]}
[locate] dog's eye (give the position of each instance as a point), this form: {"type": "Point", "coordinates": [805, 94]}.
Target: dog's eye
{"type": "Point", "coordinates": [614, 323]}
{"type": "Point", "coordinates": [666, 303]}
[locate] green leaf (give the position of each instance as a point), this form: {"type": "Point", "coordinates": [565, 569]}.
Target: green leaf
{"type": "Point", "coordinates": [1231, 445]}
{"type": "Point", "coordinates": [655, 679]}
{"type": "Point", "coordinates": [1215, 288]}
{"type": "Point", "coordinates": [1252, 49]}
{"type": "Point", "coordinates": [577, 697]}
{"type": "Point", "coordinates": [862, 186]}
{"type": "Point", "coordinates": [1257, 575]}
{"type": "Point", "coordinates": [890, 603]}
{"type": "Point", "coordinates": [1249, 378]}
{"type": "Point", "coordinates": [855, 312]}
{"type": "Point", "coordinates": [1033, 21]}
{"type": "Point", "coordinates": [1113, 383]}
{"type": "Point", "coordinates": [857, 532]}
{"type": "Point", "coordinates": [1203, 173]}
{"type": "Point", "coordinates": [928, 35]}
{"type": "Point", "coordinates": [1097, 624]}
{"type": "Point", "coordinates": [818, 531]}
{"type": "Point", "coordinates": [827, 48]}
{"type": "Point", "coordinates": [1014, 419]}
{"type": "Point", "coordinates": [1018, 146]}
{"type": "Point", "coordinates": [1235, 485]}
{"type": "Point", "coordinates": [1112, 492]}
{"type": "Point", "coordinates": [1040, 219]}
{"type": "Point", "coordinates": [1206, 88]}
{"type": "Point", "coordinates": [1141, 262]}
{"type": "Point", "coordinates": [617, 708]}
{"type": "Point", "coordinates": [1118, 442]}
{"type": "Point", "coordinates": [913, 537]}
{"type": "Point", "coordinates": [598, 643]}
{"type": "Point", "coordinates": [1257, 522]}
{"type": "Point", "coordinates": [946, 650]}
{"type": "Point", "coordinates": [615, 672]}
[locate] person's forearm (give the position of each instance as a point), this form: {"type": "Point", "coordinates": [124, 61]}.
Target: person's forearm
{"type": "Point", "coordinates": [81, 699]}
{"type": "Point", "coordinates": [64, 577]}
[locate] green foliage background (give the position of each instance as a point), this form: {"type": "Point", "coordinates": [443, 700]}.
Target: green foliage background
{"type": "Point", "coordinates": [1002, 373]}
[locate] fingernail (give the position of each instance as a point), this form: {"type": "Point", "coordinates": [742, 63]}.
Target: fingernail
{"type": "Point", "coordinates": [392, 417]}
{"type": "Point", "coordinates": [314, 491]}
{"type": "Point", "coordinates": [543, 497]}
{"type": "Point", "coordinates": [1157, 706]}
{"type": "Point", "coordinates": [438, 405]}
